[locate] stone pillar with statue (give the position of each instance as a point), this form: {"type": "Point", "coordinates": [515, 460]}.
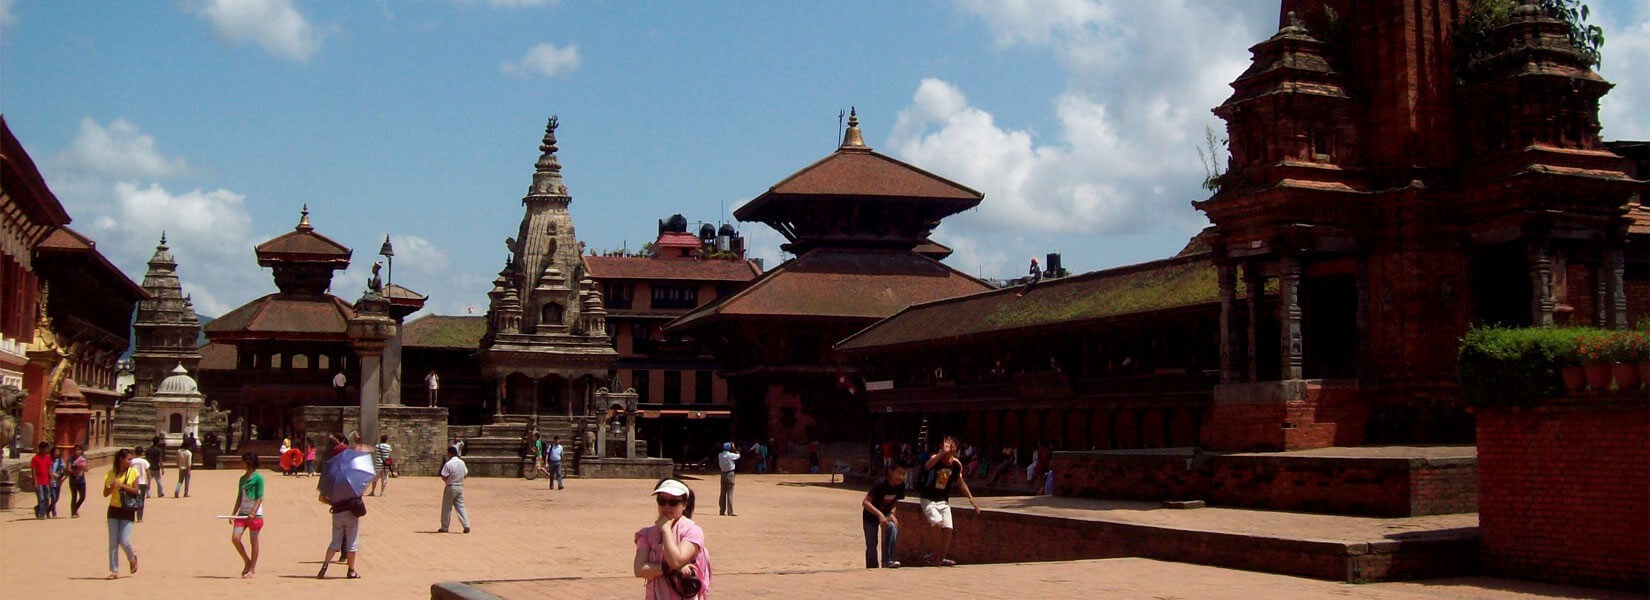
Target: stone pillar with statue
{"type": "Point", "coordinates": [368, 333]}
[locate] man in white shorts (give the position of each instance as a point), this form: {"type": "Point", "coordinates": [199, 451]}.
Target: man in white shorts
{"type": "Point", "coordinates": [944, 471]}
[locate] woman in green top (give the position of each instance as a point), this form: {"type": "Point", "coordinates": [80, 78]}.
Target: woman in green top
{"type": "Point", "coordinates": [249, 506]}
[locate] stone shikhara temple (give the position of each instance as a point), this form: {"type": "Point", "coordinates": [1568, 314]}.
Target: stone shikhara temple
{"type": "Point", "coordinates": [546, 344]}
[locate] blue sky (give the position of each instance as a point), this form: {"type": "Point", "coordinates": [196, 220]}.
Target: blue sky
{"type": "Point", "coordinates": [217, 119]}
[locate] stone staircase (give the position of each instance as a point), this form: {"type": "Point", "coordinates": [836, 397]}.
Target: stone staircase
{"type": "Point", "coordinates": [134, 423]}
{"type": "Point", "coordinates": [495, 449]}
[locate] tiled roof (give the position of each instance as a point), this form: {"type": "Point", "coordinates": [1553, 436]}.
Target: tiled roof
{"type": "Point", "coordinates": [304, 242]}
{"type": "Point", "coordinates": [861, 172]}
{"type": "Point", "coordinates": [218, 356]}
{"type": "Point", "coordinates": [839, 283]}
{"type": "Point", "coordinates": [64, 238]}
{"type": "Point", "coordinates": [67, 242]}
{"type": "Point", "coordinates": [443, 331]}
{"type": "Point", "coordinates": [305, 317]}
{"type": "Point", "coordinates": [645, 268]}
{"type": "Point", "coordinates": [1166, 284]}
{"type": "Point", "coordinates": [676, 239]}
{"type": "Point", "coordinates": [22, 176]}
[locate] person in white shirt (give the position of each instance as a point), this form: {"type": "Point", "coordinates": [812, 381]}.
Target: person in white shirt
{"type": "Point", "coordinates": [433, 382]}
{"type": "Point", "coordinates": [185, 460]}
{"type": "Point", "coordinates": [452, 494]}
{"type": "Point", "coordinates": [728, 462]}
{"type": "Point", "coordinates": [142, 465]}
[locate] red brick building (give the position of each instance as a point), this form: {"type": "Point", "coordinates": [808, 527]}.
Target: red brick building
{"type": "Point", "coordinates": [1383, 195]}
{"type": "Point", "coordinates": [683, 399]}
{"type": "Point", "coordinates": [855, 220]}
{"type": "Point", "coordinates": [64, 310]}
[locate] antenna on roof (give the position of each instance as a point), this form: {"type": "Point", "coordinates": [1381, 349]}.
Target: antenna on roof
{"type": "Point", "coordinates": [838, 141]}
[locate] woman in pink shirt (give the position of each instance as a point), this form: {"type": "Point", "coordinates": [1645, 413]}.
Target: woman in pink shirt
{"type": "Point", "coordinates": [670, 555]}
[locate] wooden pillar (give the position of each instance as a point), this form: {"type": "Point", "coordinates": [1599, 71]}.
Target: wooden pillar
{"type": "Point", "coordinates": [1289, 317]}
{"type": "Point", "coordinates": [1227, 275]}
{"type": "Point", "coordinates": [1255, 283]}
{"type": "Point", "coordinates": [1541, 282]}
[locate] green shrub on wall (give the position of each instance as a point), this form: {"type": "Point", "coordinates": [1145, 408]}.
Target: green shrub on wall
{"type": "Point", "coordinates": [1516, 367]}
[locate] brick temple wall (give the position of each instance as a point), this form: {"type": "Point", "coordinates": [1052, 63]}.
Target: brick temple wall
{"type": "Point", "coordinates": [1565, 492]}
{"type": "Point", "coordinates": [417, 433]}
{"type": "Point", "coordinates": [1285, 415]}
{"type": "Point", "coordinates": [1387, 487]}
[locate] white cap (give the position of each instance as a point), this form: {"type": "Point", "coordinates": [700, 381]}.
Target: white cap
{"type": "Point", "coordinates": [672, 487]}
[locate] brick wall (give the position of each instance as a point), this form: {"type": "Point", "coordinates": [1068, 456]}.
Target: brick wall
{"type": "Point", "coordinates": [1390, 487]}
{"type": "Point", "coordinates": [418, 433]}
{"type": "Point", "coordinates": [1565, 492]}
{"type": "Point", "coordinates": [996, 536]}
{"type": "Point", "coordinates": [1285, 415]}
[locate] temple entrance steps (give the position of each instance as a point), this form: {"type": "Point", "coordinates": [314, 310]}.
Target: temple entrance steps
{"type": "Point", "coordinates": [134, 423]}
{"type": "Point", "coordinates": [495, 449]}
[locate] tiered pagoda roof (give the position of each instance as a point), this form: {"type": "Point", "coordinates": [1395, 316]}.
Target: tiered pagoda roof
{"type": "Point", "coordinates": [855, 220]}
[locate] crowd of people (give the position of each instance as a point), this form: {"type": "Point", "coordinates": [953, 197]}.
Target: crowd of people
{"type": "Point", "coordinates": [671, 554]}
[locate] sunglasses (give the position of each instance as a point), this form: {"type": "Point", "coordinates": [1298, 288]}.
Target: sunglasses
{"type": "Point", "coordinates": [664, 501]}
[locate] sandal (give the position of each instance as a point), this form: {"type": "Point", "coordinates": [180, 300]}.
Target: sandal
{"type": "Point", "coordinates": [353, 574]}
{"type": "Point", "coordinates": [323, 573]}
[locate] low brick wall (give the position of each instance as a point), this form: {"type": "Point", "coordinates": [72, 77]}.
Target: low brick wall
{"type": "Point", "coordinates": [996, 536]}
{"type": "Point", "coordinates": [1285, 415]}
{"type": "Point", "coordinates": [417, 433]}
{"type": "Point", "coordinates": [1565, 491]}
{"type": "Point", "coordinates": [627, 468]}
{"type": "Point", "coordinates": [1386, 487]}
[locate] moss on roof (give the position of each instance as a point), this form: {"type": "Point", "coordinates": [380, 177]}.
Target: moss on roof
{"type": "Point", "coordinates": [439, 331]}
{"type": "Point", "coordinates": [1147, 287]}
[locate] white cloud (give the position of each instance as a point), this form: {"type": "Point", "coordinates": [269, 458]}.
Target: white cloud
{"type": "Point", "coordinates": [546, 60]}
{"type": "Point", "coordinates": [6, 18]}
{"type": "Point", "coordinates": [1626, 52]}
{"type": "Point", "coordinates": [418, 254]}
{"type": "Point", "coordinates": [106, 178]}
{"type": "Point", "coordinates": [1141, 80]}
{"type": "Point", "coordinates": [274, 24]}
{"type": "Point", "coordinates": [210, 233]}
{"type": "Point", "coordinates": [117, 151]}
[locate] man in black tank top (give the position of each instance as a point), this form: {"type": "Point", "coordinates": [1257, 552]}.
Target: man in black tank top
{"type": "Point", "coordinates": [944, 472]}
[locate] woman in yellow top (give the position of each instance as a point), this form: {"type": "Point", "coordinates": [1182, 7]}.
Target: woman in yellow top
{"type": "Point", "coordinates": [121, 486]}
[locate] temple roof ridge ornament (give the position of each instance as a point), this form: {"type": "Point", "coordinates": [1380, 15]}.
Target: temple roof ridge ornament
{"type": "Point", "coordinates": [303, 219]}
{"type": "Point", "coordinates": [547, 171]}
{"type": "Point", "coordinates": [852, 138]}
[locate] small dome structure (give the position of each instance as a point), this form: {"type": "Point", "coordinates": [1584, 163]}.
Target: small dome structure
{"type": "Point", "coordinates": [179, 383]}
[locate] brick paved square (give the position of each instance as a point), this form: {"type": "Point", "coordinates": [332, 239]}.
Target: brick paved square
{"type": "Point", "coordinates": [795, 537]}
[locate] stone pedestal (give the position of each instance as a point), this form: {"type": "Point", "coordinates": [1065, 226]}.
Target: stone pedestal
{"type": "Point", "coordinates": [368, 333]}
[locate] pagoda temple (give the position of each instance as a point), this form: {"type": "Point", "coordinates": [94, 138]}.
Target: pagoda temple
{"type": "Point", "coordinates": [546, 349]}
{"type": "Point", "coordinates": [858, 222]}
{"type": "Point", "coordinates": [268, 357]}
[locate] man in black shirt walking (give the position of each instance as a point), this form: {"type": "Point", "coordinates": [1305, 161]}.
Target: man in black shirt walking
{"type": "Point", "coordinates": [944, 472]}
{"type": "Point", "coordinates": [878, 515]}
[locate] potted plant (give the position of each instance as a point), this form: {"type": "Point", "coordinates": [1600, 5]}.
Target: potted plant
{"type": "Point", "coordinates": [1594, 352]}
{"type": "Point", "coordinates": [1568, 358]}
{"type": "Point", "coordinates": [1626, 350]}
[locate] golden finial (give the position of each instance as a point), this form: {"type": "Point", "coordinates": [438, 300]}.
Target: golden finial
{"type": "Point", "coordinates": [852, 138]}
{"type": "Point", "coordinates": [303, 219]}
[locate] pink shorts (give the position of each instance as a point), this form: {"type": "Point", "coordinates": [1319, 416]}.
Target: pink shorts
{"type": "Point", "coordinates": [255, 524]}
